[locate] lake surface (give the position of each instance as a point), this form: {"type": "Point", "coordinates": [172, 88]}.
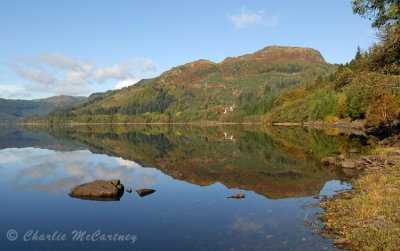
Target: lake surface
{"type": "Point", "coordinates": [192, 169]}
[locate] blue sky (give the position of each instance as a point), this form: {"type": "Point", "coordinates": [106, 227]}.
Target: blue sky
{"type": "Point", "coordinates": [78, 47]}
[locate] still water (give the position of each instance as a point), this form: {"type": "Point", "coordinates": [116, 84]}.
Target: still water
{"type": "Point", "coordinates": [192, 169]}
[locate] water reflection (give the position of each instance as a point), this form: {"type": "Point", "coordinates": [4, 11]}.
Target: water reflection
{"type": "Point", "coordinates": [193, 170]}
{"type": "Point", "coordinates": [274, 162]}
{"type": "Point", "coordinates": [57, 172]}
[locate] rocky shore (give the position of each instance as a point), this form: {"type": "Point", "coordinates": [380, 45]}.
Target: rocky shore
{"type": "Point", "coordinates": [367, 163]}
{"type": "Point", "coordinates": [368, 216]}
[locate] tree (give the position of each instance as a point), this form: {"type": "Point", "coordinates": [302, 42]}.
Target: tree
{"type": "Point", "coordinates": [381, 12]}
{"type": "Point", "coordinates": [358, 53]}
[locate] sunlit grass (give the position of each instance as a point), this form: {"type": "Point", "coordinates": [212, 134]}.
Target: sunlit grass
{"type": "Point", "coordinates": [368, 217]}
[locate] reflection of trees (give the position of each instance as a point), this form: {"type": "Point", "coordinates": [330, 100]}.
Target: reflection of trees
{"type": "Point", "coordinates": [275, 161]}
{"type": "Point", "coordinates": [253, 160]}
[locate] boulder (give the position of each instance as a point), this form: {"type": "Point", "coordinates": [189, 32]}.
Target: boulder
{"type": "Point", "coordinates": [98, 190]}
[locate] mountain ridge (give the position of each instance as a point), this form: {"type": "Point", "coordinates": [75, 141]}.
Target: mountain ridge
{"type": "Point", "coordinates": [12, 110]}
{"type": "Point", "coordinates": [202, 90]}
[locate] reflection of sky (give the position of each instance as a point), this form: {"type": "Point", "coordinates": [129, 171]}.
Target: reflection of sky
{"type": "Point", "coordinates": [55, 172]}
{"type": "Point", "coordinates": [333, 187]}
{"type": "Point", "coordinates": [179, 216]}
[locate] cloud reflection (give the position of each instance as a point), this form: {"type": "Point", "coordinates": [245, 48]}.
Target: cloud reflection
{"type": "Point", "coordinates": [57, 172]}
{"type": "Point", "coordinates": [245, 224]}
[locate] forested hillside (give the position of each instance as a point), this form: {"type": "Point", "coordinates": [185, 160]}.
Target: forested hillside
{"type": "Point", "coordinates": [366, 88]}
{"type": "Point", "coordinates": [239, 89]}
{"type": "Point", "coordinates": [13, 110]}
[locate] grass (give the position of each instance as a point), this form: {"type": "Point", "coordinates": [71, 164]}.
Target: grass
{"type": "Point", "coordinates": [368, 217]}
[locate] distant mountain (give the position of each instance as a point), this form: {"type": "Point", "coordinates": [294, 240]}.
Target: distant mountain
{"type": "Point", "coordinates": [13, 110]}
{"type": "Point", "coordinates": [238, 89]}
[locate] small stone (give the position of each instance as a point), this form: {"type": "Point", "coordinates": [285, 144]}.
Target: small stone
{"type": "Point", "coordinates": [348, 164]}
{"type": "Point", "coordinates": [354, 150]}
{"type": "Point", "coordinates": [366, 159]}
{"type": "Point", "coordinates": [237, 196]}
{"type": "Point", "coordinates": [340, 241]}
{"type": "Point", "coordinates": [390, 162]}
{"type": "Point", "coordinates": [145, 192]}
{"type": "Point", "coordinates": [396, 153]}
{"type": "Point", "coordinates": [381, 217]}
{"type": "Point", "coordinates": [329, 161]}
{"type": "Point", "coordinates": [340, 157]}
{"type": "Point", "coordinates": [360, 164]}
{"type": "Point", "coordinates": [129, 190]}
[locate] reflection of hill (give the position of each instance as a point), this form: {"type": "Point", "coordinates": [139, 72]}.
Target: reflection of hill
{"type": "Point", "coordinates": [245, 158]}
{"type": "Point", "coordinates": [297, 141]}
{"type": "Point", "coordinates": [11, 137]}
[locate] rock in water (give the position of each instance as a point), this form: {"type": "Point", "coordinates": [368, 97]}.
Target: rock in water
{"type": "Point", "coordinates": [145, 192]}
{"type": "Point", "coordinates": [129, 190]}
{"type": "Point", "coordinates": [237, 196]}
{"type": "Point", "coordinates": [98, 190]}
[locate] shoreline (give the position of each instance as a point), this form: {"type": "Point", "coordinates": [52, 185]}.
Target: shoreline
{"type": "Point", "coordinates": [340, 125]}
{"type": "Point", "coordinates": [368, 216]}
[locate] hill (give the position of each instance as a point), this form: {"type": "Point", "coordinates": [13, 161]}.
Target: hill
{"type": "Point", "coordinates": [367, 88]}
{"type": "Point", "coordinates": [13, 110]}
{"type": "Point", "coordinates": [238, 89]}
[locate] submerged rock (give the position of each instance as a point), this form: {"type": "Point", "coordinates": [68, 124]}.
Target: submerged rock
{"type": "Point", "coordinates": [237, 196]}
{"type": "Point", "coordinates": [145, 192]}
{"type": "Point", "coordinates": [98, 190]}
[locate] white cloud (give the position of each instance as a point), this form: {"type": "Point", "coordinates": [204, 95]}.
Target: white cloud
{"type": "Point", "coordinates": [127, 82]}
{"type": "Point", "coordinates": [14, 91]}
{"type": "Point", "coordinates": [59, 74]}
{"type": "Point", "coordinates": [55, 59]}
{"type": "Point", "coordinates": [119, 71]}
{"type": "Point", "coordinates": [79, 76]}
{"type": "Point", "coordinates": [247, 18]}
{"type": "Point", "coordinates": [126, 73]}
{"type": "Point", "coordinates": [54, 73]}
